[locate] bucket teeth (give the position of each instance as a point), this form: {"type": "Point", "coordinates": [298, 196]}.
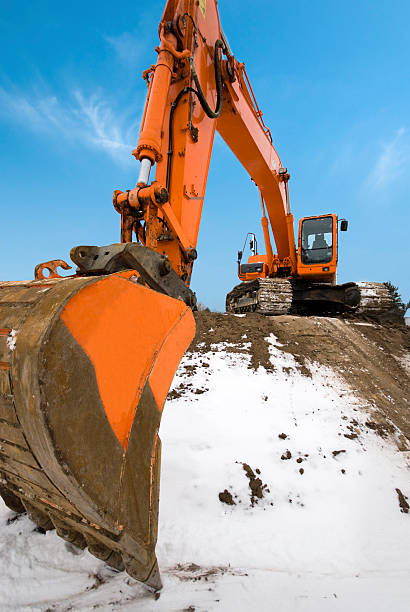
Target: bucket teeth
{"type": "Point", "coordinates": [138, 571]}
{"type": "Point", "coordinates": [154, 579]}
{"type": "Point", "coordinates": [115, 561]}
{"type": "Point", "coordinates": [12, 501]}
{"type": "Point", "coordinates": [110, 556]}
{"type": "Point", "coordinates": [41, 519]}
{"type": "Point", "coordinates": [69, 535]}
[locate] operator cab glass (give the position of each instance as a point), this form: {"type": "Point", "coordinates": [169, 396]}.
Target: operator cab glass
{"type": "Point", "coordinates": [317, 240]}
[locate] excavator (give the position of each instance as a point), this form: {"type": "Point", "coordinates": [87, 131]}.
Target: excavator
{"type": "Point", "coordinates": [86, 360]}
{"type": "Point", "coordinates": [303, 281]}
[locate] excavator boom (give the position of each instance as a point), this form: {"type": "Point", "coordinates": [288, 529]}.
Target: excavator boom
{"type": "Point", "coordinates": [195, 87]}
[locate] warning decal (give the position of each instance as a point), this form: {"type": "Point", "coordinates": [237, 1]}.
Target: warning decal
{"type": "Point", "coordinates": [202, 7]}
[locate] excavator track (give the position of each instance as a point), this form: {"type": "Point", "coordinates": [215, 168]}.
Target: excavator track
{"type": "Point", "coordinates": [85, 365]}
{"type": "Point", "coordinates": [375, 299]}
{"type": "Point", "coordinates": [268, 296]}
{"type": "Point", "coordinates": [272, 296]}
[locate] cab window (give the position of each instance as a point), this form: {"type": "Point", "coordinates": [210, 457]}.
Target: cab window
{"type": "Point", "coordinates": [317, 240]}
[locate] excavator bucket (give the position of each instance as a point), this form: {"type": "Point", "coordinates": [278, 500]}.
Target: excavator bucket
{"type": "Point", "coordinates": [85, 367]}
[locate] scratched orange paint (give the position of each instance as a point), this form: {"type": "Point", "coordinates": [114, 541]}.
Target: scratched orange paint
{"type": "Point", "coordinates": [128, 331]}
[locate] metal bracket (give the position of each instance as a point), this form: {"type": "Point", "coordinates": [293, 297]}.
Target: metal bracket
{"type": "Point", "coordinates": [154, 270]}
{"type": "Point", "coordinates": [51, 266]}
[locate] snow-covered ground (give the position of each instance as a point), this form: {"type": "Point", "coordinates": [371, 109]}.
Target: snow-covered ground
{"type": "Point", "coordinates": [328, 533]}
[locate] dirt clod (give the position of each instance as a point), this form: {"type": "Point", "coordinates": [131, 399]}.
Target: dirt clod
{"type": "Point", "coordinates": [255, 484]}
{"type": "Point", "coordinates": [382, 429]}
{"type": "Point", "coordinates": [404, 506]}
{"type": "Point", "coordinates": [351, 436]}
{"type": "Point", "coordinates": [99, 580]}
{"type": "Point", "coordinates": [282, 436]}
{"type": "Point", "coordinates": [190, 369]}
{"type": "Point", "coordinates": [13, 519]}
{"type": "Point", "coordinates": [287, 455]}
{"type": "Point", "coordinates": [178, 391]}
{"type": "Point", "coordinates": [226, 498]}
{"type": "Point", "coordinates": [335, 453]}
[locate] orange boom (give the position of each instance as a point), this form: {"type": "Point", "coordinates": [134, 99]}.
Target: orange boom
{"type": "Point", "coordinates": [86, 361]}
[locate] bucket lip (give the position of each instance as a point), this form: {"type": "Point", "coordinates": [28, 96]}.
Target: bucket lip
{"type": "Point", "coordinates": [67, 286]}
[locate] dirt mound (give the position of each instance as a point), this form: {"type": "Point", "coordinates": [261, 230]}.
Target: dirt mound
{"type": "Point", "coordinates": [374, 359]}
{"type": "Point", "coordinates": [257, 487]}
{"type": "Point", "coordinates": [215, 328]}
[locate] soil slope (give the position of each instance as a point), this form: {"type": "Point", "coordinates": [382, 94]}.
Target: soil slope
{"type": "Point", "coordinates": [284, 481]}
{"type": "Point", "coordinates": [373, 359]}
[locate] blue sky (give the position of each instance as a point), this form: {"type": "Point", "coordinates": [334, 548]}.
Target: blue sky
{"type": "Point", "coordinates": [331, 77]}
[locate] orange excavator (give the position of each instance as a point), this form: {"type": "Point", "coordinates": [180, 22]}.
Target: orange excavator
{"type": "Point", "coordinates": [86, 360]}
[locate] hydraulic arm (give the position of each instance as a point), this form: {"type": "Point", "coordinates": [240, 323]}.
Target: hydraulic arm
{"type": "Point", "coordinates": [195, 87]}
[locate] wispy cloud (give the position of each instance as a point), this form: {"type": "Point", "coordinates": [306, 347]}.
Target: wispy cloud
{"type": "Point", "coordinates": [127, 46]}
{"type": "Point", "coordinates": [90, 120]}
{"type": "Point", "coordinates": [391, 162]}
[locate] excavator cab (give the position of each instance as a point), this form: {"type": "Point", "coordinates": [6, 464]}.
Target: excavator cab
{"type": "Point", "coordinates": [317, 252]}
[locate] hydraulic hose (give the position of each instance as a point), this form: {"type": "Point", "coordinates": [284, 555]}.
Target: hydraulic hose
{"type": "Point", "coordinates": [212, 114]}
{"type": "Point", "coordinates": [171, 131]}
{"type": "Point", "coordinates": [218, 80]}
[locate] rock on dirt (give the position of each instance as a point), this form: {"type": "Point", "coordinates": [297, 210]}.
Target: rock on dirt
{"type": "Point", "coordinates": [404, 506]}
{"type": "Point", "coordinates": [226, 498]}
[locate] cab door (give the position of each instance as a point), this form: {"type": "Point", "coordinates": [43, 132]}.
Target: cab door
{"type": "Point", "coordinates": [317, 248]}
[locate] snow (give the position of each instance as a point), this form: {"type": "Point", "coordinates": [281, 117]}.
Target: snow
{"type": "Point", "coordinates": [363, 324]}
{"type": "Point", "coordinates": [340, 544]}
{"type": "Point", "coordinates": [11, 339]}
